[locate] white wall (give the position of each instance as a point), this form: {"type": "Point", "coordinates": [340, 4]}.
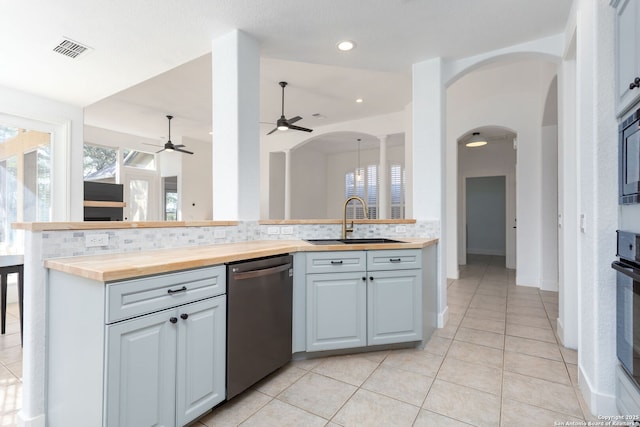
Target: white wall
{"type": "Point", "coordinates": [195, 189]}
{"type": "Point", "coordinates": [496, 96]}
{"type": "Point", "coordinates": [549, 209]}
{"type": "Point", "coordinates": [277, 176]}
{"type": "Point", "coordinates": [498, 158]}
{"type": "Point", "coordinates": [308, 184]}
{"type": "Point", "coordinates": [597, 200]}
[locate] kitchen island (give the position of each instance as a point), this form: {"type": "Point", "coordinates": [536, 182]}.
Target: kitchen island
{"type": "Point", "coordinates": [112, 330]}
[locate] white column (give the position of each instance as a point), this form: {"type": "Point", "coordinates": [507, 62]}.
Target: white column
{"type": "Point", "coordinates": [287, 184]}
{"type": "Point", "coordinates": [383, 176]}
{"type": "Point", "coordinates": [236, 140]}
{"type": "Point", "coordinates": [428, 159]}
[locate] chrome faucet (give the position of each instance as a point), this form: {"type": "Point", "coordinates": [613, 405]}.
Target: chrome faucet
{"type": "Point", "coordinates": [346, 229]}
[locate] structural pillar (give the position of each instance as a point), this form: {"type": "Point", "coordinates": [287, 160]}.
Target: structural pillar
{"type": "Point", "coordinates": [287, 184]}
{"type": "Point", "coordinates": [235, 137]}
{"type": "Point", "coordinates": [383, 175]}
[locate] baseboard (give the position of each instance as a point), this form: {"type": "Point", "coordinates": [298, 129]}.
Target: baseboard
{"type": "Point", "coordinates": [549, 285]}
{"type": "Point", "coordinates": [560, 331]}
{"type": "Point", "coordinates": [527, 281]}
{"type": "Point", "coordinates": [486, 252]}
{"type": "Point", "coordinates": [38, 421]}
{"type": "Point", "coordinates": [597, 403]}
{"type": "Point", "coordinates": [443, 317]}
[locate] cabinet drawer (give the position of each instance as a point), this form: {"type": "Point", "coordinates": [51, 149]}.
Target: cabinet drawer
{"type": "Point", "coordinates": [336, 262]}
{"type": "Point", "coordinates": [399, 259]}
{"type": "Point", "coordinates": [140, 296]}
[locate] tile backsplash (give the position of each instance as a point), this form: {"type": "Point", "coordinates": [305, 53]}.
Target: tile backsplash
{"type": "Point", "coordinates": [66, 243]}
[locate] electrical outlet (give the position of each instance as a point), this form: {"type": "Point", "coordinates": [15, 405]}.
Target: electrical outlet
{"type": "Point", "coordinates": [286, 230]}
{"type": "Point", "coordinates": [219, 234]}
{"type": "Point", "coordinates": [401, 228]}
{"type": "Point", "coordinates": [273, 230]}
{"type": "Point", "coordinates": [95, 240]}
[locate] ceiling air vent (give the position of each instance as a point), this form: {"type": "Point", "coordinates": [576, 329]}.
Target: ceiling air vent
{"type": "Point", "coordinates": [71, 48]}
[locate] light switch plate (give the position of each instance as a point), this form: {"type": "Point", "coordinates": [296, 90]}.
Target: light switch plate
{"type": "Point", "coordinates": [401, 228]}
{"type": "Point", "coordinates": [286, 230]}
{"type": "Point", "coordinates": [219, 234]}
{"type": "Point", "coordinates": [96, 240]}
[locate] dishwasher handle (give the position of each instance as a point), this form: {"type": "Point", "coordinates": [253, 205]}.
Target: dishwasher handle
{"type": "Point", "coordinates": [261, 272]}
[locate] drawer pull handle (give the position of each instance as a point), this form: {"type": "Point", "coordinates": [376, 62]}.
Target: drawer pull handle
{"type": "Point", "coordinates": [184, 316]}
{"type": "Point", "coordinates": [371, 278]}
{"type": "Point", "coordinates": [173, 319]}
{"type": "Point", "coordinates": [336, 262]}
{"type": "Point", "coordinates": [635, 83]}
{"type": "Point", "coordinates": [395, 259]}
{"type": "Point", "coordinates": [364, 279]}
{"type": "Point", "coordinates": [175, 291]}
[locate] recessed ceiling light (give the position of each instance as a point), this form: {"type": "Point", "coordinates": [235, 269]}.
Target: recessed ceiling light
{"type": "Point", "coordinates": [359, 100]}
{"type": "Point", "coordinates": [345, 45]}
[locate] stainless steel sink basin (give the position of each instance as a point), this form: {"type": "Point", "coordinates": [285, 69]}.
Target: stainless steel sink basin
{"type": "Point", "coordinates": [351, 241]}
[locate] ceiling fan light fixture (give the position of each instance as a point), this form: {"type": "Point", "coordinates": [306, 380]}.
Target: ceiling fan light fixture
{"type": "Point", "coordinates": [476, 140]}
{"type": "Point", "coordinates": [345, 45]}
{"type": "Point", "coordinates": [359, 100]}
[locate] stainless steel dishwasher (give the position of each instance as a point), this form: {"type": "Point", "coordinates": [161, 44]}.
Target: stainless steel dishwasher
{"type": "Point", "coordinates": [259, 311]}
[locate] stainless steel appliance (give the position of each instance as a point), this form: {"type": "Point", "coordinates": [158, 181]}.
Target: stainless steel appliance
{"type": "Point", "coordinates": [259, 316]}
{"type": "Point", "coordinates": [628, 303]}
{"type": "Point", "coordinates": [629, 160]}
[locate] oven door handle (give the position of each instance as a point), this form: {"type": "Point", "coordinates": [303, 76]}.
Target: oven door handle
{"type": "Point", "coordinates": [626, 270]}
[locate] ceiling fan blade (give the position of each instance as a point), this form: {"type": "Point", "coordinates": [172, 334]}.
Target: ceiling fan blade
{"type": "Point", "coordinates": [295, 119]}
{"type": "Point", "coordinates": [183, 151]}
{"type": "Point", "coordinates": [160, 151]}
{"type": "Point", "coordinates": [274, 129]}
{"type": "Point", "coordinates": [180, 145]}
{"type": "Point", "coordinates": [300, 128]}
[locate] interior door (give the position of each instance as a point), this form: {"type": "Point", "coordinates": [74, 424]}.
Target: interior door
{"type": "Point", "coordinates": [141, 196]}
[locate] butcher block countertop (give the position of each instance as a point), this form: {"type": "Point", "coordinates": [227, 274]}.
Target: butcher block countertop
{"type": "Point", "coordinates": [129, 265]}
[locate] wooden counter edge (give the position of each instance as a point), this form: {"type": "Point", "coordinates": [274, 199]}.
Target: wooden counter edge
{"type": "Point", "coordinates": [78, 265]}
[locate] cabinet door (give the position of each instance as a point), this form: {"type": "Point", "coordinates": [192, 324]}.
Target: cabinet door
{"type": "Point", "coordinates": [394, 301]}
{"type": "Point", "coordinates": [201, 368]}
{"type": "Point", "coordinates": [336, 311]}
{"type": "Point", "coordinates": [627, 52]}
{"type": "Point", "coordinates": [140, 374]}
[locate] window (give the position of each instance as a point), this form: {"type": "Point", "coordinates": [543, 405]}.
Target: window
{"type": "Point", "coordinates": [138, 159]}
{"type": "Point", "coordinates": [397, 176]}
{"type": "Point", "coordinates": [363, 182]}
{"type": "Point", "coordinates": [100, 163]}
{"type": "Point", "coordinates": [25, 180]}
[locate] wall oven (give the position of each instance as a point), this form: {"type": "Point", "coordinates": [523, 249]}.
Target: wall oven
{"type": "Point", "coordinates": [628, 304]}
{"type": "Point", "coordinates": [629, 160]}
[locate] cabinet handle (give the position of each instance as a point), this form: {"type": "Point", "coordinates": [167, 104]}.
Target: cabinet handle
{"type": "Point", "coordinates": [336, 262]}
{"type": "Point", "coordinates": [370, 277]}
{"type": "Point", "coordinates": [635, 83]}
{"type": "Point", "coordinates": [364, 279]}
{"type": "Point", "coordinates": [395, 259]}
{"type": "Point", "coordinates": [174, 291]}
{"type": "Point", "coordinates": [173, 319]}
{"type": "Point", "coordinates": [184, 316]}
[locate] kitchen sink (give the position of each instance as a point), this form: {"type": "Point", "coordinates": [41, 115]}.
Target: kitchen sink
{"type": "Point", "coordinates": [351, 241]}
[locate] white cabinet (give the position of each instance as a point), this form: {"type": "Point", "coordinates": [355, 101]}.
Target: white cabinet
{"type": "Point", "coordinates": [149, 351]}
{"type": "Point", "coordinates": [358, 298]}
{"type": "Point", "coordinates": [627, 53]}
{"type": "Point", "coordinates": [336, 311]}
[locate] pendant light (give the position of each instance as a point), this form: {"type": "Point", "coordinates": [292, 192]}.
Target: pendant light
{"type": "Point", "coordinates": [476, 140]}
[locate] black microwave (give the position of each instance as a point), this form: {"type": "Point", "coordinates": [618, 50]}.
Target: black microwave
{"type": "Point", "coordinates": [629, 158]}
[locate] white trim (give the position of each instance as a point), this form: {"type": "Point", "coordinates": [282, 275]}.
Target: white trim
{"type": "Point", "coordinates": [443, 317]}
{"type": "Point", "coordinates": [597, 403]}
{"type": "Point", "coordinates": [485, 252]}
{"type": "Point", "coordinates": [529, 281]}
{"type": "Point", "coordinates": [549, 285]}
{"type": "Point", "coordinates": [38, 421]}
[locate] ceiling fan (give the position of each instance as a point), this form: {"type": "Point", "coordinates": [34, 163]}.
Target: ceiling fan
{"type": "Point", "coordinates": [283, 123]}
{"type": "Point", "coordinates": [170, 146]}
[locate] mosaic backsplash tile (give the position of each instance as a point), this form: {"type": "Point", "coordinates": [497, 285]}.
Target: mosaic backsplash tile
{"type": "Point", "coordinates": [66, 243]}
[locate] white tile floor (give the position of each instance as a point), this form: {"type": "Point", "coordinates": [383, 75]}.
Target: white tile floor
{"type": "Point", "coordinates": [496, 363]}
